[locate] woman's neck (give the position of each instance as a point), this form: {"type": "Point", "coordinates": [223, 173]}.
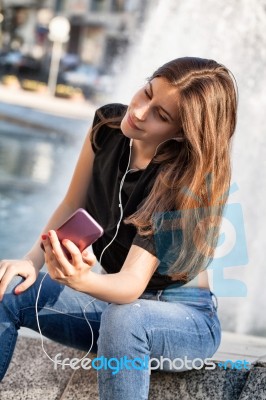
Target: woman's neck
{"type": "Point", "coordinates": [141, 154]}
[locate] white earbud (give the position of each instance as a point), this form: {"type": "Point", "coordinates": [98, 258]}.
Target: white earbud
{"type": "Point", "coordinates": [174, 138]}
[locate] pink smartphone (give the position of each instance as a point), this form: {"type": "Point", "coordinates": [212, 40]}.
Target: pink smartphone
{"type": "Point", "coordinates": [81, 229]}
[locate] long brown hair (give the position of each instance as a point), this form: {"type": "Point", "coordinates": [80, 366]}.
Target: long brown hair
{"type": "Point", "coordinates": [192, 186]}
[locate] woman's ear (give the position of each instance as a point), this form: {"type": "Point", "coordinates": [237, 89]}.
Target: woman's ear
{"type": "Point", "coordinates": [180, 136]}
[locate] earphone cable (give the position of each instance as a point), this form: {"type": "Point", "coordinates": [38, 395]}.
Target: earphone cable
{"type": "Point", "coordinates": [84, 310]}
{"type": "Point", "coordinates": [40, 331]}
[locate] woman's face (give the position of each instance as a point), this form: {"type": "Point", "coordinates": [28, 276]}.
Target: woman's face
{"type": "Point", "coordinates": [152, 115]}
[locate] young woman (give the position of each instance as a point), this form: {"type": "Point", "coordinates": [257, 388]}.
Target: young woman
{"type": "Point", "coordinates": [155, 174]}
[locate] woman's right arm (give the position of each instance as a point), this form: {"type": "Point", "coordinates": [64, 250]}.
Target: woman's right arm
{"type": "Point", "coordinates": [29, 266]}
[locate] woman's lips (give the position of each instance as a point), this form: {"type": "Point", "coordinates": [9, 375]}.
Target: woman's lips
{"type": "Point", "coordinates": [131, 123]}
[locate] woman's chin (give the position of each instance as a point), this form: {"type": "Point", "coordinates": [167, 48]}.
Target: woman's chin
{"type": "Point", "coordinates": [126, 129]}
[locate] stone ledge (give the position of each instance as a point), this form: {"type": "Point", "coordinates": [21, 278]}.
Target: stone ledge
{"type": "Point", "coordinates": [255, 386]}
{"type": "Point", "coordinates": [31, 375]}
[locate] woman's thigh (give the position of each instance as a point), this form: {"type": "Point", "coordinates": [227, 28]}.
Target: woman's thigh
{"type": "Point", "coordinates": [184, 325]}
{"type": "Point", "coordinates": [182, 329]}
{"type": "Point", "coordinates": [60, 312]}
{"type": "Point", "coordinates": [179, 331]}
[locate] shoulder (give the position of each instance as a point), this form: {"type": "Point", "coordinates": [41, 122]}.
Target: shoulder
{"type": "Point", "coordinates": [109, 111]}
{"type": "Point", "coordinates": [106, 123]}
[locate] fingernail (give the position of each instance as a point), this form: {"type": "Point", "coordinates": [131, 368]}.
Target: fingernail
{"type": "Point", "coordinates": [44, 237]}
{"type": "Point", "coordinates": [49, 233]}
{"type": "Point", "coordinates": [85, 253]}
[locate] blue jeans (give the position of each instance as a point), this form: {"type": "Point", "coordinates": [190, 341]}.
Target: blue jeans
{"type": "Point", "coordinates": [173, 323]}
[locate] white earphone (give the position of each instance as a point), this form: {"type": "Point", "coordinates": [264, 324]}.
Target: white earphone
{"type": "Point", "coordinates": [117, 228]}
{"type": "Point", "coordinates": [84, 310]}
{"type": "Point", "coordinates": [120, 199]}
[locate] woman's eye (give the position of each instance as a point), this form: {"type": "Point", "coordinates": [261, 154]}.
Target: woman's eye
{"type": "Point", "coordinates": [147, 94]}
{"type": "Point", "coordinates": [163, 118]}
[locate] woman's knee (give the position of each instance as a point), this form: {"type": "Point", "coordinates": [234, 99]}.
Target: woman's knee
{"type": "Point", "coordinates": [121, 324]}
{"type": "Point", "coordinates": [14, 301]}
{"type": "Point", "coordinates": [13, 284]}
{"type": "Point", "coordinates": [9, 306]}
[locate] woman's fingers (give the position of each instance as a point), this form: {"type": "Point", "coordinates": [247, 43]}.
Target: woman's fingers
{"type": "Point", "coordinates": [2, 270]}
{"type": "Point", "coordinates": [74, 252]}
{"type": "Point", "coordinates": [4, 281]}
{"type": "Point", "coordinates": [29, 280]}
{"type": "Point", "coordinates": [11, 268]}
{"type": "Point", "coordinates": [55, 256]}
{"type": "Point", "coordinates": [54, 249]}
{"type": "Point", "coordinates": [7, 273]}
{"type": "Point", "coordinates": [51, 257]}
{"type": "Point", "coordinates": [88, 257]}
{"type": "Point", "coordinates": [59, 267]}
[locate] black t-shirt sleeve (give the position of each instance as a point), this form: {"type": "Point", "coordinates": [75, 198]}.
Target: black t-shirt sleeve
{"type": "Point", "coordinates": [165, 243]}
{"type": "Point", "coordinates": [165, 247]}
{"type": "Point", "coordinates": [107, 111]}
{"type": "Point", "coordinates": [146, 242]}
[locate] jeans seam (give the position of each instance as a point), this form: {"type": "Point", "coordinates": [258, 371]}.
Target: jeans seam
{"type": "Point", "coordinates": [58, 311]}
{"type": "Point", "coordinates": [216, 323]}
{"type": "Point", "coordinates": [14, 316]}
{"type": "Point", "coordinates": [8, 351]}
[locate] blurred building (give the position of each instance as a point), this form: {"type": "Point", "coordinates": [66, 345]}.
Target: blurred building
{"type": "Point", "coordinates": [100, 29]}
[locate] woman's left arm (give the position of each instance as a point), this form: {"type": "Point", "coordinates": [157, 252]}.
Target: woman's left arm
{"type": "Point", "coordinates": [121, 287]}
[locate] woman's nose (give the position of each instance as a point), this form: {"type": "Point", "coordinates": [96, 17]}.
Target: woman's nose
{"type": "Point", "coordinates": [141, 112]}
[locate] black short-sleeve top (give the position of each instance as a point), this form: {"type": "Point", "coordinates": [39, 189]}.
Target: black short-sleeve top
{"type": "Point", "coordinates": [111, 159]}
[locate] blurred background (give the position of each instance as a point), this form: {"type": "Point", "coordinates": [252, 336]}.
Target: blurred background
{"type": "Point", "coordinates": [54, 73]}
{"type": "Point", "coordinates": [99, 32]}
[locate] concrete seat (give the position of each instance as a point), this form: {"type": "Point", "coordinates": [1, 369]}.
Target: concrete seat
{"type": "Point", "coordinates": [31, 375]}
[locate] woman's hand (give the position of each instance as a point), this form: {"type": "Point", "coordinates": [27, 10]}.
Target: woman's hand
{"type": "Point", "coordinates": [11, 268]}
{"type": "Point", "coordinates": [69, 272]}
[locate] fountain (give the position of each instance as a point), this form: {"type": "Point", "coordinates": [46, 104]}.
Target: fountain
{"type": "Point", "coordinates": [232, 33]}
